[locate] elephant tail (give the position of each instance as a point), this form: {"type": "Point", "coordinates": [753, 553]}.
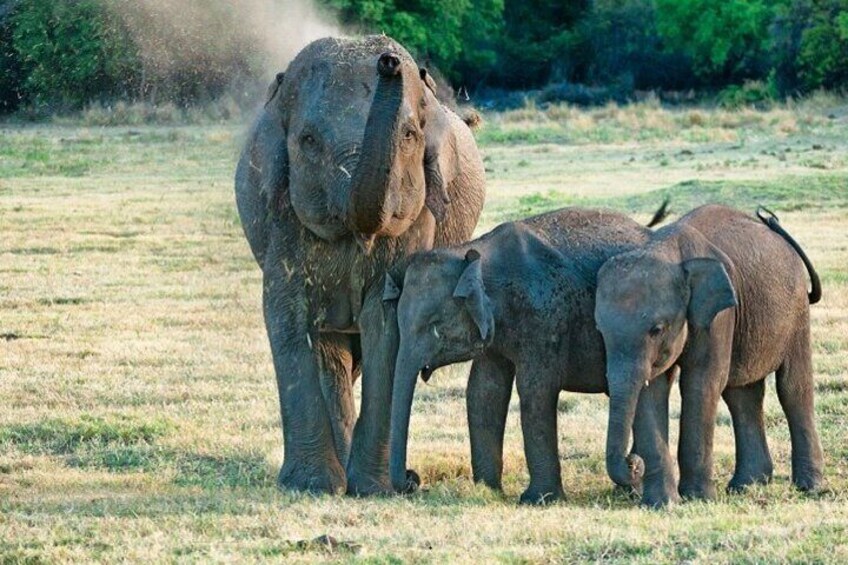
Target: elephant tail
{"type": "Point", "coordinates": [660, 215]}
{"type": "Point", "coordinates": [769, 218]}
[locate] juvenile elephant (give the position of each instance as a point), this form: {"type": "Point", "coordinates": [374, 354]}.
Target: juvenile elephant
{"type": "Point", "coordinates": [519, 301]}
{"type": "Point", "coordinates": [724, 297]}
{"type": "Point", "coordinates": [352, 165]}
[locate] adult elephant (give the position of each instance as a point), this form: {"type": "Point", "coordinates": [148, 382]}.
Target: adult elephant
{"type": "Point", "coordinates": [352, 165]}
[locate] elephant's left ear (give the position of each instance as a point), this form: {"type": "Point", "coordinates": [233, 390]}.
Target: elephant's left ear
{"type": "Point", "coordinates": [470, 288]}
{"type": "Point", "coordinates": [711, 290]}
{"type": "Point", "coordinates": [440, 154]}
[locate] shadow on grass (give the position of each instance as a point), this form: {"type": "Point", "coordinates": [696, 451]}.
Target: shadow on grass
{"type": "Point", "coordinates": [119, 445]}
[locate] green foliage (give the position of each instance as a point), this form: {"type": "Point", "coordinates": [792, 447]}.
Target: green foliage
{"type": "Point", "coordinates": [66, 54]}
{"type": "Point", "coordinates": [540, 42]}
{"type": "Point", "coordinates": [626, 47]}
{"type": "Point", "coordinates": [750, 93]}
{"type": "Point", "coordinates": [823, 56]}
{"type": "Point", "coordinates": [451, 34]}
{"type": "Point", "coordinates": [10, 69]}
{"type": "Point", "coordinates": [724, 38]}
{"type": "Point", "coordinates": [70, 52]}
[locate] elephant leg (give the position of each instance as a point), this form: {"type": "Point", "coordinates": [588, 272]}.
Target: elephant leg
{"type": "Point", "coordinates": [539, 428]}
{"type": "Point", "coordinates": [753, 461]}
{"type": "Point", "coordinates": [795, 391]}
{"type": "Point", "coordinates": [336, 377]}
{"type": "Point", "coordinates": [650, 442]}
{"type": "Point", "coordinates": [368, 466]}
{"type": "Point", "coordinates": [487, 403]}
{"type": "Point", "coordinates": [704, 374]}
{"type": "Point", "coordinates": [310, 458]}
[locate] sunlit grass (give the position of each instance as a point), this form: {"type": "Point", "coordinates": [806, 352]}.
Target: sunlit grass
{"type": "Point", "coordinates": [138, 409]}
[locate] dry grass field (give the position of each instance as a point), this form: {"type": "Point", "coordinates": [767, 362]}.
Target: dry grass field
{"type": "Point", "coordinates": [138, 413]}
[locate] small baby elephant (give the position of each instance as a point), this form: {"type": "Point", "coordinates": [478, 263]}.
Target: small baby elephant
{"type": "Point", "coordinates": [519, 301]}
{"type": "Point", "coordinates": [723, 296]}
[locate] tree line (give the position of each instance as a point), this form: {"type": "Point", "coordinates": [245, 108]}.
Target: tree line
{"type": "Point", "coordinates": [68, 53]}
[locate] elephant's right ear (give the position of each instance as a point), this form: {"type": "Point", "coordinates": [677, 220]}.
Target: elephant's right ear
{"type": "Point", "coordinates": [391, 291]}
{"type": "Point", "coordinates": [269, 161]}
{"type": "Point", "coordinates": [711, 290]}
{"type": "Point", "coordinates": [274, 87]}
{"type": "Point", "coordinates": [269, 157]}
{"type": "Point", "coordinates": [470, 288]}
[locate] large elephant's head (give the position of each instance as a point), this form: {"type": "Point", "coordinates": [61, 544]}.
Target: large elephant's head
{"type": "Point", "coordinates": [362, 143]}
{"type": "Point", "coordinates": [646, 307]}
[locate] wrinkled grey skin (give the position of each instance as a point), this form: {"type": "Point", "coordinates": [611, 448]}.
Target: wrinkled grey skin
{"type": "Point", "coordinates": [519, 302]}
{"type": "Point", "coordinates": [352, 164]}
{"type": "Point", "coordinates": [724, 297]}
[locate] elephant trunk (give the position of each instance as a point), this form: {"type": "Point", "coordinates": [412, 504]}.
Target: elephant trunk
{"type": "Point", "coordinates": [406, 376]}
{"type": "Point", "coordinates": [625, 384]}
{"type": "Point", "coordinates": [372, 181]}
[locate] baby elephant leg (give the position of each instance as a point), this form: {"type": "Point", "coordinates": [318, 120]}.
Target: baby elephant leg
{"type": "Point", "coordinates": [795, 391]}
{"type": "Point", "coordinates": [753, 461]}
{"type": "Point", "coordinates": [539, 427]}
{"type": "Point", "coordinates": [650, 442]}
{"type": "Point", "coordinates": [487, 403]}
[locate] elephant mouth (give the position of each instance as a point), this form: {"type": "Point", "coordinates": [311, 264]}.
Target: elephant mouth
{"type": "Point", "coordinates": [365, 242]}
{"type": "Point", "coordinates": [426, 372]}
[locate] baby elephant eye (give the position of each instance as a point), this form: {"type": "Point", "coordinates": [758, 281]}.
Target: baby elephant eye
{"type": "Point", "coordinates": [435, 331]}
{"type": "Point", "coordinates": [657, 330]}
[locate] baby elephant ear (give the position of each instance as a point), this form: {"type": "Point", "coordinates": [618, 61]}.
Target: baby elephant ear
{"type": "Point", "coordinates": [711, 290]}
{"type": "Point", "coordinates": [391, 291]}
{"type": "Point", "coordinates": [470, 288]}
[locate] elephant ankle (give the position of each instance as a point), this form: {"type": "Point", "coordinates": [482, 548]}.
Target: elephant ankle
{"type": "Point", "coordinates": [368, 483]}
{"type": "Point", "coordinates": [697, 490]}
{"type": "Point", "coordinates": [319, 479]}
{"type": "Point", "coordinates": [743, 479]}
{"type": "Point", "coordinates": [541, 496]}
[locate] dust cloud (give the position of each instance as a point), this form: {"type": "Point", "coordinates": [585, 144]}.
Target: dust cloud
{"type": "Point", "coordinates": [218, 41]}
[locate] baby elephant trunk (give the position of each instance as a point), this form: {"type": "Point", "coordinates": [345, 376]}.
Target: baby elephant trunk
{"type": "Point", "coordinates": [625, 384]}
{"type": "Point", "coordinates": [406, 375]}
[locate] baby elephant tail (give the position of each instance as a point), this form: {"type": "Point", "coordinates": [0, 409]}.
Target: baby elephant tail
{"type": "Point", "coordinates": [660, 215]}
{"type": "Point", "coordinates": [769, 218]}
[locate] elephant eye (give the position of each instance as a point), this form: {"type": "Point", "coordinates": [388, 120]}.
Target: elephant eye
{"type": "Point", "coordinates": [410, 134]}
{"type": "Point", "coordinates": [308, 140]}
{"type": "Point", "coordinates": [657, 330]}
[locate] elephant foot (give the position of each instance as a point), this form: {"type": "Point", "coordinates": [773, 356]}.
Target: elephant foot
{"type": "Point", "coordinates": [704, 490]}
{"type": "Point", "coordinates": [810, 482]}
{"type": "Point", "coordinates": [328, 479]}
{"type": "Point", "coordinates": [742, 480]}
{"type": "Point", "coordinates": [659, 495]}
{"type": "Point", "coordinates": [541, 497]}
{"type": "Point", "coordinates": [360, 483]}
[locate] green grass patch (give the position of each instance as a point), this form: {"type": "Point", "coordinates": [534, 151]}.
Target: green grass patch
{"type": "Point", "coordinates": [62, 437]}
{"type": "Point", "coordinates": [787, 194]}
